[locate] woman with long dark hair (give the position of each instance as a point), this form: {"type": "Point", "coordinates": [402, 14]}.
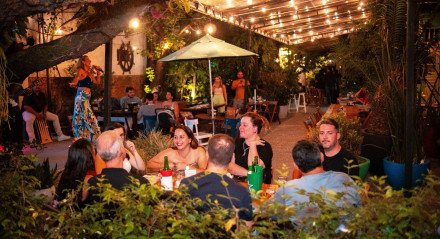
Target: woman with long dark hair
{"type": "Point", "coordinates": [84, 121]}
{"type": "Point", "coordinates": [186, 152]}
{"type": "Point", "coordinates": [79, 168]}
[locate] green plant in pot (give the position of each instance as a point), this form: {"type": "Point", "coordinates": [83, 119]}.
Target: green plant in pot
{"type": "Point", "coordinates": [386, 50]}
{"type": "Point", "coordinates": [46, 177]}
{"type": "Point", "coordinates": [351, 139]}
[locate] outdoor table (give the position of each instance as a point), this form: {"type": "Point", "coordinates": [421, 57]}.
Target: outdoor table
{"type": "Point", "coordinates": [350, 111]}
{"type": "Point", "coordinates": [122, 113]}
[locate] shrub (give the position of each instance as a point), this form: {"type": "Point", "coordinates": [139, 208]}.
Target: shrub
{"type": "Point", "coordinates": [151, 144]}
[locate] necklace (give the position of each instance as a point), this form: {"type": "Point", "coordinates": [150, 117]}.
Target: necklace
{"type": "Point", "coordinates": [184, 156]}
{"type": "Point", "coordinates": [245, 150]}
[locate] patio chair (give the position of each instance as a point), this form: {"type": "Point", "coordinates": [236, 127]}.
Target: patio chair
{"type": "Point", "coordinates": [149, 123]}
{"type": "Point", "coordinates": [202, 137]}
{"type": "Point", "coordinates": [232, 124]}
{"type": "Point", "coordinates": [165, 120]}
{"type": "Point", "coordinates": [271, 111]}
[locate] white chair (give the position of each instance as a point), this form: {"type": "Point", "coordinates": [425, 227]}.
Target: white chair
{"type": "Point", "coordinates": [202, 137]}
{"type": "Point", "coordinates": [298, 103]}
{"type": "Point", "coordinates": [293, 103]}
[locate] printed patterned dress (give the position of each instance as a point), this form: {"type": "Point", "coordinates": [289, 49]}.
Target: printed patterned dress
{"type": "Point", "coordinates": [85, 124]}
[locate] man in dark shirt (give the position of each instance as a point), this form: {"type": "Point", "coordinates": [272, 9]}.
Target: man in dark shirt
{"type": "Point", "coordinates": [336, 158]}
{"type": "Point", "coordinates": [35, 107]}
{"type": "Point", "coordinates": [215, 185]}
{"type": "Point", "coordinates": [111, 149]}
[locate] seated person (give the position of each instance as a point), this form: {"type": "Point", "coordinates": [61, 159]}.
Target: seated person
{"type": "Point", "coordinates": [186, 152]}
{"type": "Point", "coordinates": [173, 105]}
{"type": "Point", "coordinates": [35, 107]}
{"type": "Point", "coordinates": [130, 98]}
{"type": "Point", "coordinates": [335, 157]}
{"type": "Point", "coordinates": [110, 148]}
{"type": "Point", "coordinates": [307, 158]}
{"type": "Point", "coordinates": [210, 186]}
{"type": "Point", "coordinates": [79, 168]}
{"type": "Point", "coordinates": [147, 110]}
{"type": "Point", "coordinates": [250, 145]}
{"type": "Point", "coordinates": [156, 100]}
{"type": "Point", "coordinates": [132, 158]}
{"type": "Point", "coordinates": [361, 96]}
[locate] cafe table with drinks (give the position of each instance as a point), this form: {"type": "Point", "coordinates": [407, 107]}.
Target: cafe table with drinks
{"type": "Point", "coordinates": [168, 179]}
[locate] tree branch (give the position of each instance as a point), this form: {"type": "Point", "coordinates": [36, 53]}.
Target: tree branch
{"type": "Point", "coordinates": [72, 46]}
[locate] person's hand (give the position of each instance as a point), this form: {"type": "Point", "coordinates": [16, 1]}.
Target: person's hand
{"type": "Point", "coordinates": [72, 85]}
{"type": "Point", "coordinates": [256, 141]}
{"type": "Point", "coordinates": [130, 145]}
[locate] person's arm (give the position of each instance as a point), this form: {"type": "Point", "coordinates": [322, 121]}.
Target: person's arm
{"type": "Point", "coordinates": [97, 78]}
{"type": "Point", "coordinates": [236, 169]}
{"type": "Point", "coordinates": [202, 161]}
{"type": "Point", "coordinates": [176, 111]}
{"type": "Point", "coordinates": [235, 84]}
{"type": "Point", "coordinates": [134, 158]}
{"type": "Point", "coordinates": [81, 74]}
{"type": "Point", "coordinates": [254, 152]}
{"type": "Point", "coordinates": [225, 94]}
{"type": "Point", "coordinates": [156, 163]}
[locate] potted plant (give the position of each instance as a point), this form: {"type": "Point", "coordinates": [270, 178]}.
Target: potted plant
{"type": "Point", "coordinates": [46, 178]}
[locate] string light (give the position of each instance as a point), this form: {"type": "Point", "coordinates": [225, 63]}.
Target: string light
{"type": "Point", "coordinates": [263, 9]}
{"type": "Point", "coordinates": [134, 23]}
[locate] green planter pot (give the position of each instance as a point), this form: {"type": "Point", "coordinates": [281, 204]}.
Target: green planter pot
{"type": "Point", "coordinates": [363, 167]}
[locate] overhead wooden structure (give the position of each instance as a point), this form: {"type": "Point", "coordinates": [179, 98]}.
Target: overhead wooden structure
{"type": "Point", "coordinates": [309, 23]}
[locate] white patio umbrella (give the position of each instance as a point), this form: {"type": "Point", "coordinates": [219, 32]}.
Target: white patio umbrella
{"type": "Point", "coordinates": [208, 47]}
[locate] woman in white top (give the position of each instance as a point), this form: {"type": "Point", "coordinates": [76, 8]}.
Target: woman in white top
{"type": "Point", "coordinates": [132, 159]}
{"type": "Point", "coordinates": [220, 96]}
{"type": "Point", "coordinates": [186, 152]}
{"type": "Point", "coordinates": [169, 103]}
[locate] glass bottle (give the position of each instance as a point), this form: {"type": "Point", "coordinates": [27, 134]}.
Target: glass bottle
{"type": "Point", "coordinates": [167, 176]}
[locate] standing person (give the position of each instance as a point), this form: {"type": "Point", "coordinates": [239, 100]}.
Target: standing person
{"type": "Point", "coordinates": [35, 107]}
{"type": "Point", "coordinates": [79, 168]}
{"type": "Point", "coordinates": [335, 157]}
{"type": "Point", "coordinates": [220, 96]}
{"type": "Point", "coordinates": [186, 152]}
{"type": "Point", "coordinates": [320, 83]}
{"type": "Point", "coordinates": [130, 98]}
{"type": "Point", "coordinates": [84, 122]}
{"type": "Point", "coordinates": [214, 185]}
{"type": "Point", "coordinates": [250, 145]}
{"type": "Point", "coordinates": [172, 105]}
{"type": "Point", "coordinates": [239, 86]}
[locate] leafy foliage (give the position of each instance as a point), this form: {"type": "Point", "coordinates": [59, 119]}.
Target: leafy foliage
{"type": "Point", "coordinates": [147, 212]}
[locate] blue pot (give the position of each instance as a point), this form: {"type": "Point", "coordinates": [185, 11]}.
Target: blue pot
{"type": "Point", "coordinates": [396, 173]}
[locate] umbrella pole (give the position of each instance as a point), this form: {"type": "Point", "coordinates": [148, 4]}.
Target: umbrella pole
{"type": "Point", "coordinates": [210, 90]}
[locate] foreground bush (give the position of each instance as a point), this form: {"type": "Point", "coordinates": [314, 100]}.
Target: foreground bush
{"type": "Point", "coordinates": [147, 212]}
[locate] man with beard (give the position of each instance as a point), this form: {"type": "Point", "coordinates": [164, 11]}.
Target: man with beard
{"type": "Point", "coordinates": [336, 158]}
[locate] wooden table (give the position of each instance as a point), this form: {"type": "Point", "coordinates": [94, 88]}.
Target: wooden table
{"type": "Point", "coordinates": [125, 114]}
{"type": "Point", "coordinates": [351, 112]}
